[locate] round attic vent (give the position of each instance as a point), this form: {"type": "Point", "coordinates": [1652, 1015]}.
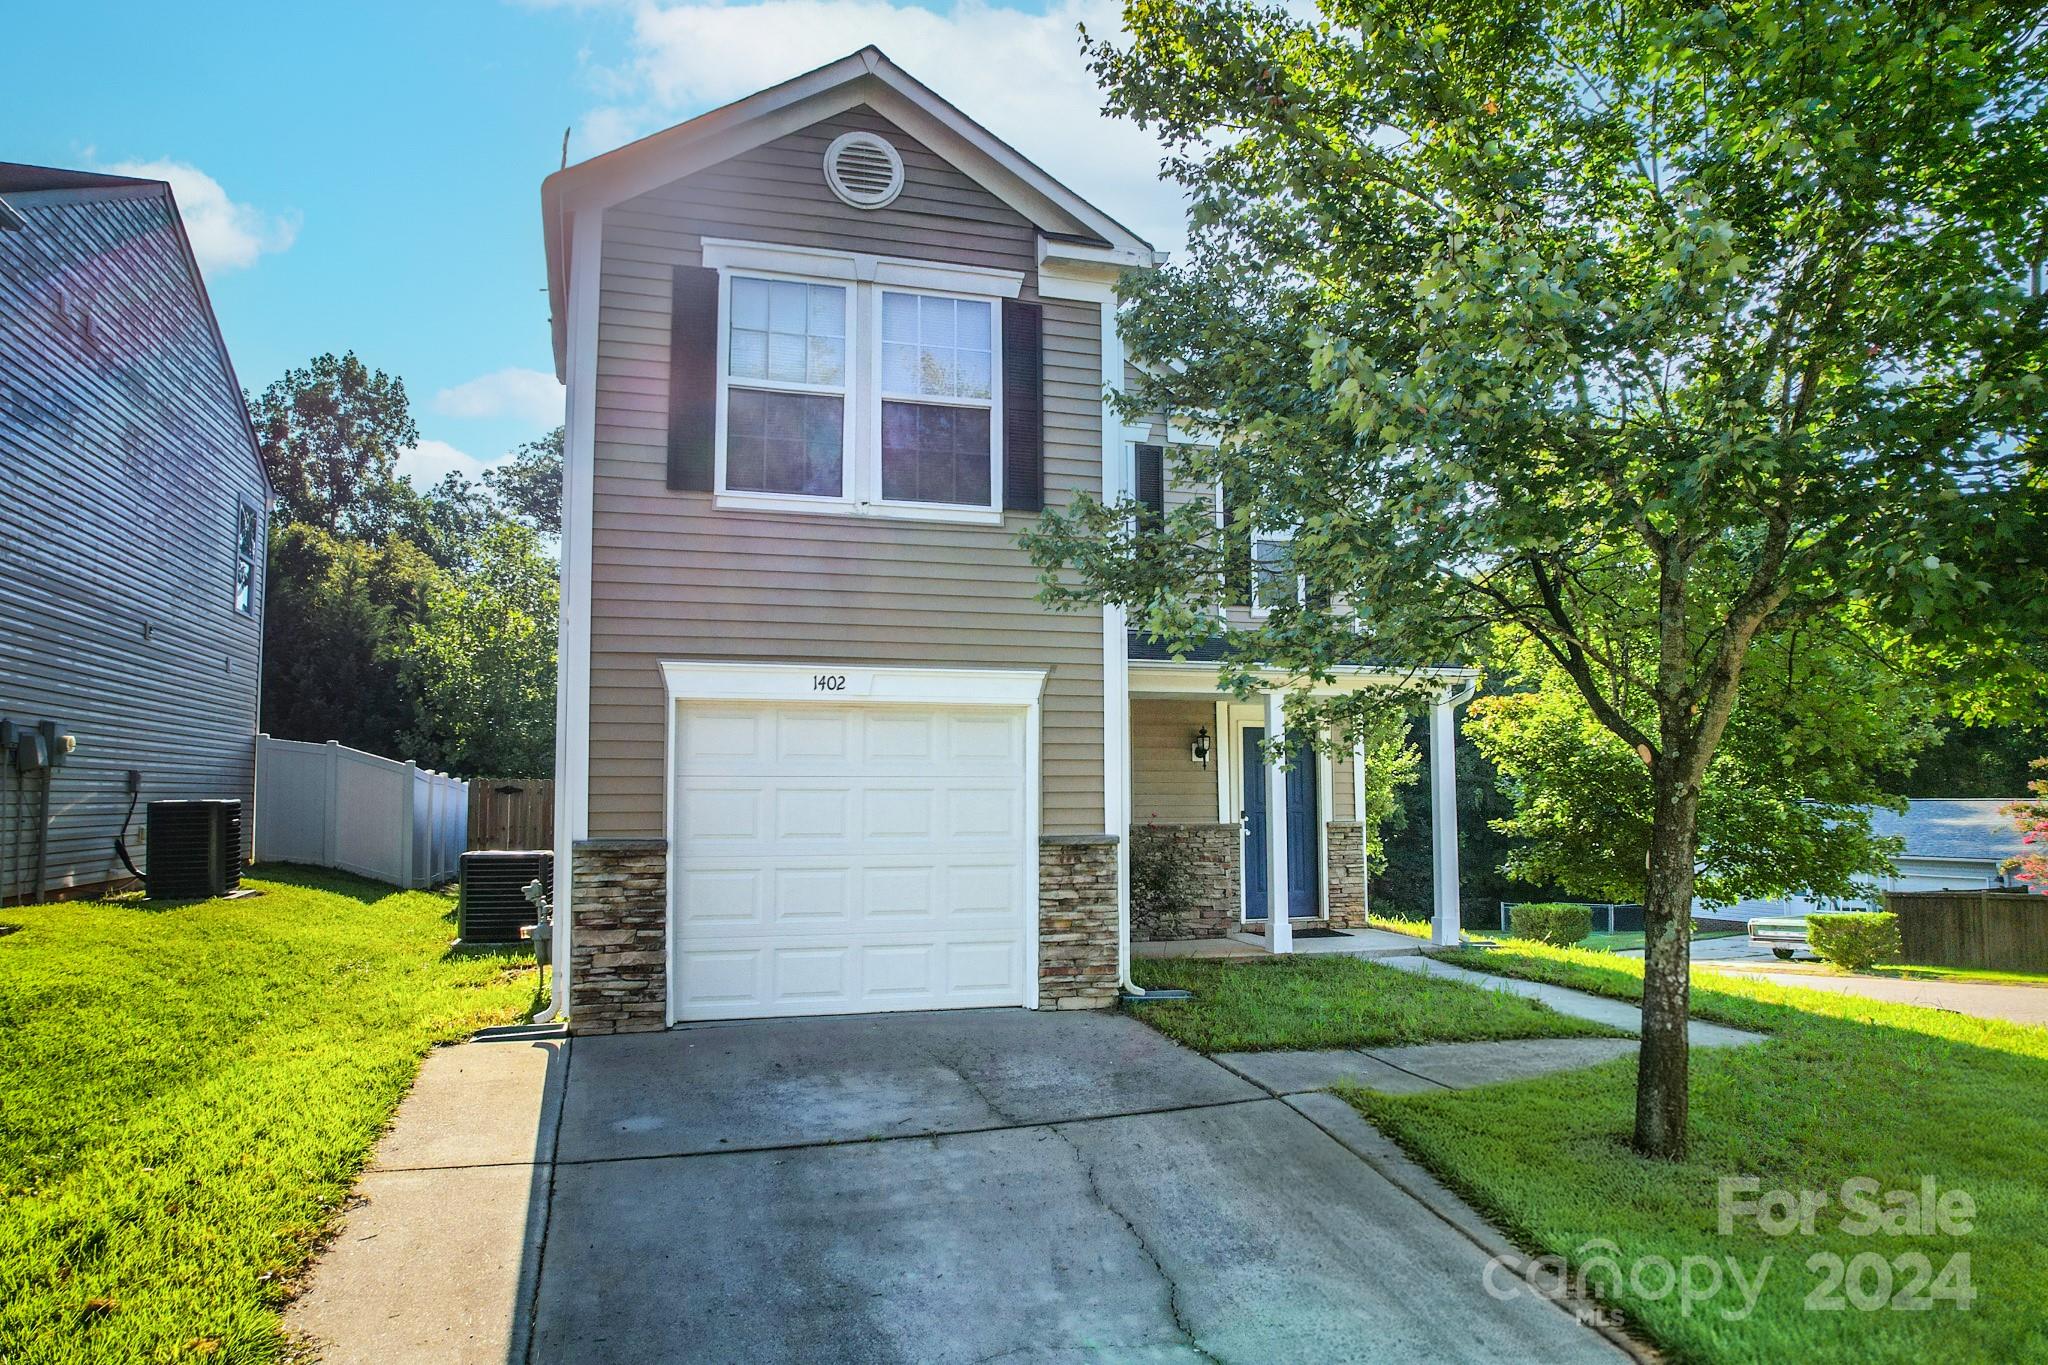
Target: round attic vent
{"type": "Point", "coordinates": [863, 170]}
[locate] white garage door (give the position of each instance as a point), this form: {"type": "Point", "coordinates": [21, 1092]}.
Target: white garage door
{"type": "Point", "coordinates": [837, 859]}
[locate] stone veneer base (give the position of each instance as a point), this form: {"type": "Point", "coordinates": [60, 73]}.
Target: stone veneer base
{"type": "Point", "coordinates": [618, 938]}
{"type": "Point", "coordinates": [1077, 922]}
{"type": "Point", "coordinates": [619, 945]}
{"type": "Point", "coordinates": [1213, 852]}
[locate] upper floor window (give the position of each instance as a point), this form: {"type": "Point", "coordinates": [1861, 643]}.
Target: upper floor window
{"type": "Point", "coordinates": [785, 402]}
{"type": "Point", "coordinates": [1275, 580]}
{"type": "Point", "coordinates": [248, 554]}
{"type": "Point", "coordinates": [857, 384]}
{"type": "Point", "coordinates": [938, 404]}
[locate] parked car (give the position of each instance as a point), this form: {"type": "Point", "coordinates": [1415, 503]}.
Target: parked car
{"type": "Point", "coordinates": [1784, 935]}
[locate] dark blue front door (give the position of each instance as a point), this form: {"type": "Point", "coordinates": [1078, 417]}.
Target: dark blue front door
{"type": "Point", "coordinates": [1304, 880]}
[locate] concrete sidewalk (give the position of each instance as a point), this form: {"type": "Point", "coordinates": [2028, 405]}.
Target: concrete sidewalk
{"type": "Point", "coordinates": [438, 1254]}
{"type": "Point", "coordinates": [1620, 1014]}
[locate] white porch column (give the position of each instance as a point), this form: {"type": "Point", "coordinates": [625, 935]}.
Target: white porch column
{"type": "Point", "coordinates": [1443, 821]}
{"type": "Point", "coordinates": [1364, 830]}
{"type": "Point", "coordinates": [1279, 933]}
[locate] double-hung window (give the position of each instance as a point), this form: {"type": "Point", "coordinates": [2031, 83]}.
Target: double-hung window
{"type": "Point", "coordinates": [938, 399]}
{"type": "Point", "coordinates": [1275, 580]}
{"type": "Point", "coordinates": [785, 398]}
{"type": "Point", "coordinates": [857, 384]}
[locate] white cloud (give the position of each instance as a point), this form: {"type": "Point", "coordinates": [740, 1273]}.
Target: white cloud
{"type": "Point", "coordinates": [1018, 74]}
{"type": "Point", "coordinates": [225, 235]}
{"type": "Point", "coordinates": [525, 395]}
{"type": "Point", "coordinates": [426, 463]}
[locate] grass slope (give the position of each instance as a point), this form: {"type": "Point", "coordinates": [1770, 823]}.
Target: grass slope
{"type": "Point", "coordinates": [1325, 1001]}
{"type": "Point", "coordinates": [1847, 1087]}
{"type": "Point", "coordinates": [189, 1091]}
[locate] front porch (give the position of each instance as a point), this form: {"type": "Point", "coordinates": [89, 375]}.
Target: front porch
{"type": "Point", "coordinates": [1205, 799]}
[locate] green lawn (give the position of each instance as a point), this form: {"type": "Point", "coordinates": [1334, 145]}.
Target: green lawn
{"type": "Point", "coordinates": [1846, 1088]}
{"type": "Point", "coordinates": [1307, 1001]}
{"type": "Point", "coordinates": [188, 1091]}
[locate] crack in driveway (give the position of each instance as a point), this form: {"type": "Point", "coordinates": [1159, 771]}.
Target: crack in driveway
{"type": "Point", "coordinates": [1102, 1201]}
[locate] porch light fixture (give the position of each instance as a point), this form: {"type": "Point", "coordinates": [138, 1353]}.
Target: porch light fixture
{"type": "Point", "coordinates": [1200, 749]}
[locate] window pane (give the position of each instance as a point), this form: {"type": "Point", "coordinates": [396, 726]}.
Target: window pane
{"type": "Point", "coordinates": [750, 304]}
{"type": "Point", "coordinates": [973, 322]}
{"type": "Point", "coordinates": [899, 367]}
{"type": "Point", "coordinates": [935, 322]}
{"type": "Point", "coordinates": [788, 356]}
{"type": "Point", "coordinates": [935, 454]}
{"type": "Point", "coordinates": [828, 311]}
{"type": "Point", "coordinates": [828, 360]}
{"type": "Point", "coordinates": [899, 317]}
{"type": "Point", "coordinates": [784, 442]}
{"type": "Point", "coordinates": [974, 374]}
{"type": "Point", "coordinates": [789, 308]}
{"type": "Point", "coordinates": [748, 358]}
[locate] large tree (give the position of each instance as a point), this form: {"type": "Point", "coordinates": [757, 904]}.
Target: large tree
{"type": "Point", "coordinates": [336, 618]}
{"type": "Point", "coordinates": [330, 435]}
{"type": "Point", "coordinates": [1648, 331]}
{"type": "Point", "coordinates": [481, 662]}
{"type": "Point", "coordinates": [528, 484]}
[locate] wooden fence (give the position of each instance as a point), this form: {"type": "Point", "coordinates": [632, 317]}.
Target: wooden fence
{"type": "Point", "coordinates": [510, 812]}
{"type": "Point", "coordinates": [1993, 930]}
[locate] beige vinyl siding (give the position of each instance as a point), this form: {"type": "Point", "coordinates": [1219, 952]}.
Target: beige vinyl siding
{"type": "Point", "coordinates": [675, 578]}
{"type": "Point", "coordinates": [1167, 786]}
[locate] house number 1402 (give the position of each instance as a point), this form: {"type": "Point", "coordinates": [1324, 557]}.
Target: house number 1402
{"type": "Point", "coordinates": [829, 682]}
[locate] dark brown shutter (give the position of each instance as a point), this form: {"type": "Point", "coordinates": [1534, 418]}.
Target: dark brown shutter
{"type": "Point", "coordinates": [693, 379]}
{"type": "Point", "coordinates": [1023, 407]}
{"type": "Point", "coordinates": [1152, 484]}
{"type": "Point", "coordinates": [1237, 558]}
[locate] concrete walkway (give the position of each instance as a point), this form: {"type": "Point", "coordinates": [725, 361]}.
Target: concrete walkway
{"type": "Point", "coordinates": [1619, 1014]}
{"type": "Point", "coordinates": [929, 1187]}
{"type": "Point", "coordinates": [1424, 1067]}
{"type": "Point", "coordinates": [438, 1253]}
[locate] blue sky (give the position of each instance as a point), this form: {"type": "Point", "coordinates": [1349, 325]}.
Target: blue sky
{"type": "Point", "coordinates": [368, 176]}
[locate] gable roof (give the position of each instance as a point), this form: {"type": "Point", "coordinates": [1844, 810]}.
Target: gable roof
{"type": "Point", "coordinates": [1953, 827]}
{"type": "Point", "coordinates": [1067, 223]}
{"type": "Point", "coordinates": [29, 184]}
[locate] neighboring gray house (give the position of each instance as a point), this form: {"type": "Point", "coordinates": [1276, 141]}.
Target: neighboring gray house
{"type": "Point", "coordinates": [1951, 844]}
{"type": "Point", "coordinates": [132, 521]}
{"type": "Point", "coordinates": [828, 350]}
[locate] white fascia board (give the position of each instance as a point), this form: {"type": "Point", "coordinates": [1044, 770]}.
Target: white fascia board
{"type": "Point", "coordinates": [1198, 679]}
{"type": "Point", "coordinates": [827, 681]}
{"type": "Point", "coordinates": [1076, 257]}
{"type": "Point", "coordinates": [724, 253]}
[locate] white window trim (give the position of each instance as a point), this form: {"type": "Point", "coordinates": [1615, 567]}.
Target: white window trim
{"type": "Point", "coordinates": [254, 611]}
{"type": "Point", "coordinates": [863, 276]}
{"type": "Point", "coordinates": [1258, 609]}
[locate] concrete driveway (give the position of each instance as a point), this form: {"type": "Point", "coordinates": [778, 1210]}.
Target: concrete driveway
{"type": "Point", "coordinates": [974, 1185]}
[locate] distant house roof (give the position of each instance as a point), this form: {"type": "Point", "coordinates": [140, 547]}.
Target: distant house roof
{"type": "Point", "coordinates": [1958, 827]}
{"type": "Point", "coordinates": [20, 178]}
{"type": "Point", "coordinates": [25, 181]}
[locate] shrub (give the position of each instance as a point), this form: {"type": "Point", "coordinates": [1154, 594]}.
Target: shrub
{"type": "Point", "coordinates": [1553, 922]}
{"type": "Point", "coordinates": [1855, 941]}
{"type": "Point", "coordinates": [1163, 885]}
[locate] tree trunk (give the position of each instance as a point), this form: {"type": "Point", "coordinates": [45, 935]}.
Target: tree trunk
{"type": "Point", "coordinates": [1662, 1065]}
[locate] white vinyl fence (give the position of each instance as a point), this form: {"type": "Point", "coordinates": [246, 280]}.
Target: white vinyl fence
{"type": "Point", "coordinates": [335, 807]}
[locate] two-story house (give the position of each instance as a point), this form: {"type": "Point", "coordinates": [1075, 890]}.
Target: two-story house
{"type": "Point", "coordinates": [132, 519]}
{"type": "Point", "coordinates": [828, 350]}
